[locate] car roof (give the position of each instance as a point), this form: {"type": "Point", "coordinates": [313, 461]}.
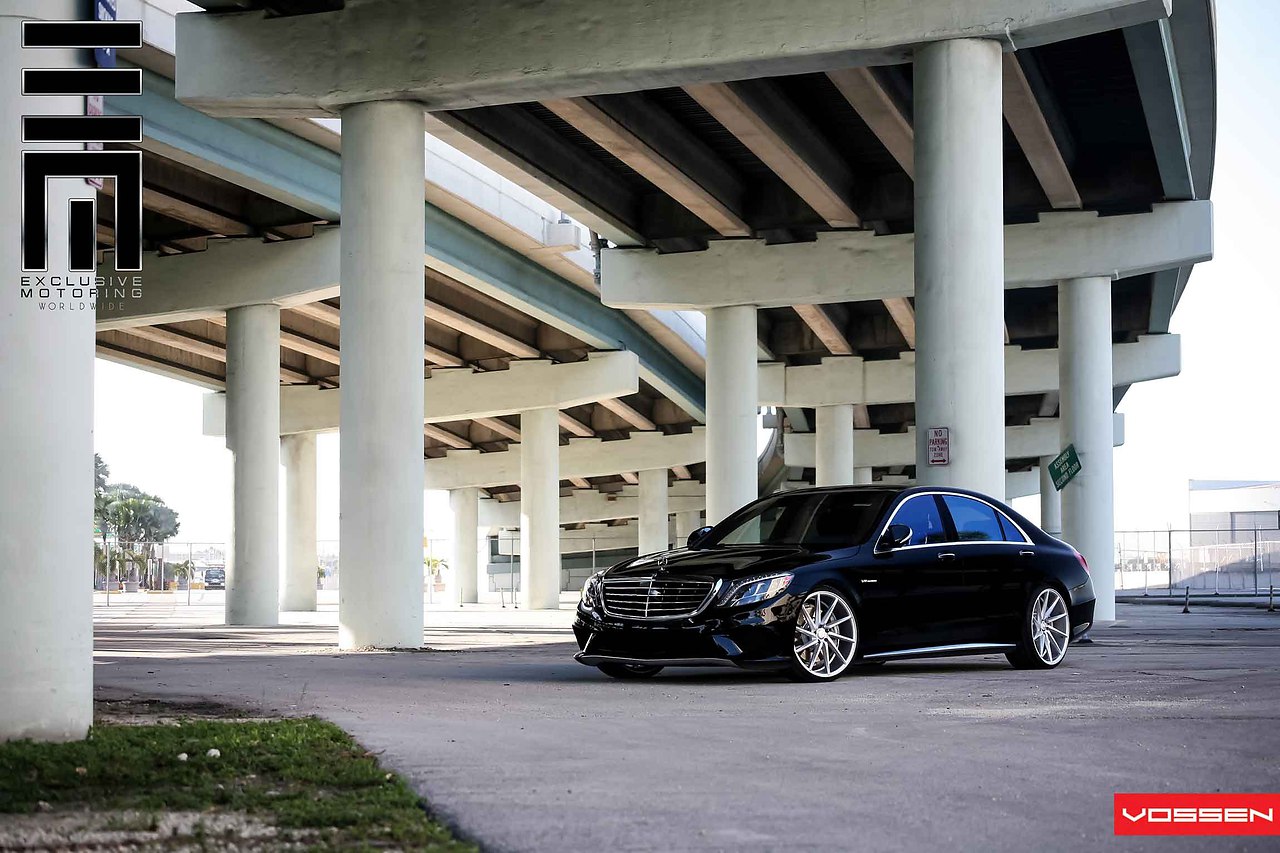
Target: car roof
{"type": "Point", "coordinates": [894, 488]}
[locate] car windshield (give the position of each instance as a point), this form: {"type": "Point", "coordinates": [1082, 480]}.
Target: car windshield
{"type": "Point", "coordinates": [816, 520]}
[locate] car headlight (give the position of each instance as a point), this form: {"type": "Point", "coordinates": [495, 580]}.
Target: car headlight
{"type": "Point", "coordinates": [591, 591]}
{"type": "Point", "coordinates": [756, 589]}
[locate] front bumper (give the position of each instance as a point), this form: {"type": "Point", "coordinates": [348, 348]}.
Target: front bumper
{"type": "Point", "coordinates": [752, 639]}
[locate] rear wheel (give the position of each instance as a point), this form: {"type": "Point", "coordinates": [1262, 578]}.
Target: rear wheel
{"type": "Point", "coordinates": [628, 670]}
{"type": "Point", "coordinates": [826, 637]}
{"type": "Point", "coordinates": [1046, 631]}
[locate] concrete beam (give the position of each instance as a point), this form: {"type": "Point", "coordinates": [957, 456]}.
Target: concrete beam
{"type": "Point", "coordinates": [269, 160]}
{"type": "Point", "coordinates": [637, 144]}
{"type": "Point", "coordinates": [581, 457]}
{"type": "Point", "coordinates": [837, 381]}
{"type": "Point", "coordinates": [868, 97]}
{"type": "Point", "coordinates": [1155, 69]}
{"type": "Point", "coordinates": [230, 273]}
{"type": "Point", "coordinates": [767, 123]}
{"type": "Point", "coordinates": [588, 505]}
{"type": "Point", "coordinates": [1062, 245]}
{"type": "Point", "coordinates": [872, 448]}
{"type": "Point", "coordinates": [1027, 121]}
{"type": "Point", "coordinates": [433, 51]}
{"type": "Point", "coordinates": [462, 394]}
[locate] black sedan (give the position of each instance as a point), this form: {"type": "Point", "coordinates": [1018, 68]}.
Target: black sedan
{"type": "Point", "coordinates": [814, 581]}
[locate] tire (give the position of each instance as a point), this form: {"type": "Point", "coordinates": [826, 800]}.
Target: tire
{"type": "Point", "coordinates": [1045, 632]}
{"type": "Point", "coordinates": [815, 656]}
{"type": "Point", "coordinates": [628, 671]}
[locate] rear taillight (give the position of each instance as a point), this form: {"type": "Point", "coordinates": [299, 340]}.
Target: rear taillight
{"type": "Point", "coordinates": [1083, 562]}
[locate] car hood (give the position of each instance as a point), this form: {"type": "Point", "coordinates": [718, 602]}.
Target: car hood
{"type": "Point", "coordinates": [718, 562]}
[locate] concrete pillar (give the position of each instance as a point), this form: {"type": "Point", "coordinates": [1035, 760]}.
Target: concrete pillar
{"type": "Point", "coordinates": [380, 491]}
{"type": "Point", "coordinates": [1088, 521]}
{"type": "Point", "coordinates": [834, 445]}
{"type": "Point", "coordinates": [298, 580]}
{"type": "Point", "coordinates": [253, 437]}
{"type": "Point", "coordinates": [654, 527]}
{"type": "Point", "coordinates": [465, 504]}
{"type": "Point", "coordinates": [959, 255]}
{"type": "Point", "coordinates": [46, 385]}
{"type": "Point", "coordinates": [1050, 500]}
{"type": "Point", "coordinates": [540, 509]}
{"type": "Point", "coordinates": [863, 476]}
{"type": "Point", "coordinates": [732, 464]}
{"type": "Point", "coordinates": [686, 523]}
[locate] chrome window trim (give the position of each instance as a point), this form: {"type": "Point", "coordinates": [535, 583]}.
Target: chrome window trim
{"type": "Point", "coordinates": [706, 602]}
{"type": "Point", "coordinates": [1026, 540]}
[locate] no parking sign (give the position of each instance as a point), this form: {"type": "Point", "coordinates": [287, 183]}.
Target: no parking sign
{"type": "Point", "coordinates": [939, 445]}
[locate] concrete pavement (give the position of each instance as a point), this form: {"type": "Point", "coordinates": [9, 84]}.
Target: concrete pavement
{"type": "Point", "coordinates": [522, 749]}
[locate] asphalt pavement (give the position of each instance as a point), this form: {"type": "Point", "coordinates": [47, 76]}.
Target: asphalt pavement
{"type": "Point", "coordinates": [522, 749]}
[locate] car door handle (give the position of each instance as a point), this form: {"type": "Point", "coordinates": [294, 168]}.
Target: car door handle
{"type": "Point", "coordinates": [1026, 553]}
{"type": "Point", "coordinates": [946, 556]}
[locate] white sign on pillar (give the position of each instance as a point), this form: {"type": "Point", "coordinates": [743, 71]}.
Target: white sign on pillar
{"type": "Point", "coordinates": [939, 445]}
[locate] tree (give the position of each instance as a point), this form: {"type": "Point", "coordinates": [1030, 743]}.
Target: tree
{"type": "Point", "coordinates": [135, 518]}
{"type": "Point", "coordinates": [101, 473]}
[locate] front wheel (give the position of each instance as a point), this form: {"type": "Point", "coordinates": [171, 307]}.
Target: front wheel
{"type": "Point", "coordinates": [628, 670]}
{"type": "Point", "coordinates": [1046, 631]}
{"type": "Point", "coordinates": [825, 638]}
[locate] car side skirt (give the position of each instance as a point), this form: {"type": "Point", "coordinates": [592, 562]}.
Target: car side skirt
{"type": "Point", "coordinates": [931, 651]}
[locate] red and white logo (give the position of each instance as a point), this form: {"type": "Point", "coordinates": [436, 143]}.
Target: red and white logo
{"type": "Point", "coordinates": [1197, 814]}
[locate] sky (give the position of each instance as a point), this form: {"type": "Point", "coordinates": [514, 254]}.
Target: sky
{"type": "Point", "coordinates": [1214, 421]}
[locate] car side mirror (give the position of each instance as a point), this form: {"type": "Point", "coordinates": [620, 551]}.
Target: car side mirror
{"type": "Point", "coordinates": [895, 536]}
{"type": "Point", "coordinates": [697, 536]}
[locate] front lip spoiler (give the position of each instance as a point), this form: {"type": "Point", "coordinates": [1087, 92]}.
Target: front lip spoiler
{"type": "Point", "coordinates": [596, 660]}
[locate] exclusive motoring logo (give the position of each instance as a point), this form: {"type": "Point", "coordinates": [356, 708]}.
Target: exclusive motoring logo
{"type": "Point", "coordinates": [123, 167]}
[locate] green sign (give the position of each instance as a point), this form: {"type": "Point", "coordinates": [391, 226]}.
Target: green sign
{"type": "Point", "coordinates": [1064, 467]}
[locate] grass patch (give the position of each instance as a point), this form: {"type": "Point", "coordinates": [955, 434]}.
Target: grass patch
{"type": "Point", "coordinates": [298, 774]}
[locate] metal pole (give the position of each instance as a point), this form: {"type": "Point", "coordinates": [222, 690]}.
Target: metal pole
{"type": "Point", "coordinates": [1186, 602]}
{"type": "Point", "coordinates": [1170, 555]}
{"type": "Point", "coordinates": [1271, 598]}
{"type": "Point", "coordinates": [191, 562]}
{"type": "Point", "coordinates": [106, 549]}
{"type": "Point", "coordinates": [1255, 561]}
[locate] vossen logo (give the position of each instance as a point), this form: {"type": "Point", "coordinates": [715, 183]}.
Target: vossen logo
{"type": "Point", "coordinates": [1196, 814]}
{"type": "Point", "coordinates": [1200, 815]}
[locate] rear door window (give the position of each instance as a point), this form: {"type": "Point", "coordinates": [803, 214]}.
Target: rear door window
{"type": "Point", "coordinates": [974, 520]}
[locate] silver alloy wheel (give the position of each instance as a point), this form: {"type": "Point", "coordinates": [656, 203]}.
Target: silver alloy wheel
{"type": "Point", "coordinates": [826, 634]}
{"type": "Point", "coordinates": [1050, 626]}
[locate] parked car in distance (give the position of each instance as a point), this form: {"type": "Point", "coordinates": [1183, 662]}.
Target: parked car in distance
{"type": "Point", "coordinates": [815, 580]}
{"type": "Point", "coordinates": [215, 578]}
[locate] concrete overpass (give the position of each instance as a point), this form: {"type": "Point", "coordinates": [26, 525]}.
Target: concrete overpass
{"type": "Point", "coordinates": [974, 215]}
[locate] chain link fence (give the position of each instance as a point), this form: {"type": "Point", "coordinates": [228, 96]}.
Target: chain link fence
{"type": "Point", "coordinates": [1205, 561]}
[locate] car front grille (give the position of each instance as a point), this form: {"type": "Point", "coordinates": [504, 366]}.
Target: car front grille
{"type": "Point", "coordinates": [655, 597]}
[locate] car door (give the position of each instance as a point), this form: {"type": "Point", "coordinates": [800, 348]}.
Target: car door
{"type": "Point", "coordinates": [912, 585]}
{"type": "Point", "coordinates": [990, 560]}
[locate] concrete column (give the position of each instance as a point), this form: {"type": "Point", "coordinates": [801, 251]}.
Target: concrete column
{"type": "Point", "coordinates": [1050, 500]}
{"type": "Point", "coordinates": [732, 464]}
{"type": "Point", "coordinates": [465, 504]}
{"type": "Point", "coordinates": [834, 445]}
{"type": "Point", "coordinates": [540, 509]}
{"type": "Point", "coordinates": [298, 580]}
{"type": "Point", "coordinates": [46, 429]}
{"type": "Point", "coordinates": [959, 255]}
{"type": "Point", "coordinates": [654, 527]}
{"type": "Point", "coordinates": [380, 492]}
{"type": "Point", "coordinates": [1088, 521]}
{"type": "Point", "coordinates": [863, 476]}
{"type": "Point", "coordinates": [686, 523]}
{"type": "Point", "coordinates": [253, 437]}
